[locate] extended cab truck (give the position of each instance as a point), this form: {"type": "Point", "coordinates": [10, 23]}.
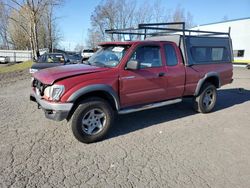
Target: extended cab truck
{"type": "Point", "coordinates": [124, 77]}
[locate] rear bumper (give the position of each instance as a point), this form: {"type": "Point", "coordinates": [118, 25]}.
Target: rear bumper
{"type": "Point", "coordinates": [52, 110]}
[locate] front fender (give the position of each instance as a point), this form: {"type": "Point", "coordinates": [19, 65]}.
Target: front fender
{"type": "Point", "coordinates": [95, 87]}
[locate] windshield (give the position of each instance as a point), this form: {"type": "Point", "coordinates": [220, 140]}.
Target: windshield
{"type": "Point", "coordinates": [108, 56]}
{"type": "Point", "coordinates": [51, 58]}
{"type": "Point", "coordinates": [75, 57]}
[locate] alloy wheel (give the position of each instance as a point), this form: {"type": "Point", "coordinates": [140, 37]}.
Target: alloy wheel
{"type": "Point", "coordinates": [93, 121]}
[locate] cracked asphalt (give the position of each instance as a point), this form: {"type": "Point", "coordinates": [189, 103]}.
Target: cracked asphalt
{"type": "Point", "coordinates": [166, 147]}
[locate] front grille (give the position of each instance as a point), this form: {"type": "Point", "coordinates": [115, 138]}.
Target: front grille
{"type": "Point", "coordinates": [39, 87]}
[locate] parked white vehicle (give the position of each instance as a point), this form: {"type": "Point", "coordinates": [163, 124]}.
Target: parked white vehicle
{"type": "Point", "coordinates": [4, 59]}
{"type": "Point", "coordinates": [87, 53]}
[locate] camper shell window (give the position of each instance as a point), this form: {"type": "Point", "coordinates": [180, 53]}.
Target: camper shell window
{"type": "Point", "coordinates": [205, 50]}
{"type": "Point", "coordinates": [209, 54]}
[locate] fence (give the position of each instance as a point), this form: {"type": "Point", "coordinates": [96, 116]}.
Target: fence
{"type": "Point", "coordinates": [16, 55]}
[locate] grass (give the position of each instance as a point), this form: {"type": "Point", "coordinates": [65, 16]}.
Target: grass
{"type": "Point", "coordinates": [242, 61]}
{"type": "Point", "coordinates": [16, 67]}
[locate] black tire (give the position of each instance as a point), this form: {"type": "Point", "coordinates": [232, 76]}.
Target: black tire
{"type": "Point", "coordinates": [206, 100]}
{"type": "Point", "coordinates": [84, 113]}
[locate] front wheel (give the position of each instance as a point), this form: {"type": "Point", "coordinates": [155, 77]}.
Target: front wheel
{"type": "Point", "coordinates": [92, 120]}
{"type": "Point", "coordinates": [206, 100]}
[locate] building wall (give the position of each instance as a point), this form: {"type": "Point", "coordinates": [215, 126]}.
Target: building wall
{"type": "Point", "coordinates": [240, 34]}
{"type": "Point", "coordinates": [16, 55]}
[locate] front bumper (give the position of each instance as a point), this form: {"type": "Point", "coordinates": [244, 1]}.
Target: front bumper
{"type": "Point", "coordinates": [52, 110]}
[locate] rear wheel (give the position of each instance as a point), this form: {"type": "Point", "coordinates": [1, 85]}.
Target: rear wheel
{"type": "Point", "coordinates": [206, 100]}
{"type": "Point", "coordinates": [92, 120]}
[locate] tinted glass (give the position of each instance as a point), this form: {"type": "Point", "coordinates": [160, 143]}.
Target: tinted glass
{"type": "Point", "coordinates": [217, 54]}
{"type": "Point", "coordinates": [147, 56]}
{"type": "Point", "coordinates": [209, 54]}
{"type": "Point", "coordinates": [75, 57]}
{"type": "Point", "coordinates": [55, 58]}
{"type": "Point", "coordinates": [199, 54]}
{"type": "Point", "coordinates": [170, 55]}
{"type": "Point", "coordinates": [88, 51]}
{"type": "Point", "coordinates": [42, 59]}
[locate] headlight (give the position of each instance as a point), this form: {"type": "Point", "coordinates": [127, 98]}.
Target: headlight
{"type": "Point", "coordinates": [54, 92]}
{"type": "Point", "coordinates": [47, 92]}
{"type": "Point", "coordinates": [33, 70]}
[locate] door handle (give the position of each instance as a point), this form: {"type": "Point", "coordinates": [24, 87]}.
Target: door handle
{"type": "Point", "coordinates": [161, 74]}
{"type": "Point", "coordinates": [128, 77]}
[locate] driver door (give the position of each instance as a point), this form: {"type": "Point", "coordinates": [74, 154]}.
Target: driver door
{"type": "Point", "coordinates": [146, 84]}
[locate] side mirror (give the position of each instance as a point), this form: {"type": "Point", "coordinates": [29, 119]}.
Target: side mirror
{"type": "Point", "coordinates": [132, 65]}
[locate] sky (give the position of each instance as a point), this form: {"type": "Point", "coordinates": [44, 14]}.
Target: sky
{"type": "Point", "coordinates": [74, 15]}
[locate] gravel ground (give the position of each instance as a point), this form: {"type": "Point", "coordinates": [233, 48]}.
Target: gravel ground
{"type": "Point", "coordinates": [165, 147]}
{"type": "Point", "coordinates": [7, 79]}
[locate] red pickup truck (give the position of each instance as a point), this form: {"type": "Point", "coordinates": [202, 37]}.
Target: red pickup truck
{"type": "Point", "coordinates": [125, 77]}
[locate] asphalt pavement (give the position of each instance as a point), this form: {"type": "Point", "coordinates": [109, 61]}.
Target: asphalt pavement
{"type": "Point", "coordinates": [166, 147]}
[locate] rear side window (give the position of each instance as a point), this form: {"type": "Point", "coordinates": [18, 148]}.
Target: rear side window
{"type": "Point", "coordinates": [171, 56]}
{"type": "Point", "coordinates": [217, 54]}
{"type": "Point", "coordinates": [209, 54]}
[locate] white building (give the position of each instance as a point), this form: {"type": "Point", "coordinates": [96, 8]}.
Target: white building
{"type": "Point", "coordinates": [240, 34]}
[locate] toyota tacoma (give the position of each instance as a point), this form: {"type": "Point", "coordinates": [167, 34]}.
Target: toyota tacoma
{"type": "Point", "coordinates": [129, 76]}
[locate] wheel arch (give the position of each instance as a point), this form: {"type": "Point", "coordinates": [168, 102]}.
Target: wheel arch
{"type": "Point", "coordinates": [211, 77]}
{"type": "Point", "coordinates": [102, 91]}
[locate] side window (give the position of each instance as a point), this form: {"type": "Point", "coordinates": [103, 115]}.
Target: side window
{"type": "Point", "coordinates": [209, 54]}
{"type": "Point", "coordinates": [147, 56]}
{"type": "Point", "coordinates": [171, 56]}
{"type": "Point", "coordinates": [217, 54]}
{"type": "Point", "coordinates": [199, 54]}
{"type": "Point", "coordinates": [238, 53]}
{"type": "Point", "coordinates": [42, 59]}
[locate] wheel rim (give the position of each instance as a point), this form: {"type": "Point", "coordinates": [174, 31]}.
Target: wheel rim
{"type": "Point", "coordinates": [93, 121]}
{"type": "Point", "coordinates": [208, 98]}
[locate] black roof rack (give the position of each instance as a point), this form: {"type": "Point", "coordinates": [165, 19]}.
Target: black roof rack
{"type": "Point", "coordinates": [166, 30]}
{"type": "Point", "coordinates": [157, 29]}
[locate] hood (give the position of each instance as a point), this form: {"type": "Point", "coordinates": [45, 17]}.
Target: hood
{"type": "Point", "coordinates": [50, 75]}
{"type": "Point", "coordinates": [39, 66]}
